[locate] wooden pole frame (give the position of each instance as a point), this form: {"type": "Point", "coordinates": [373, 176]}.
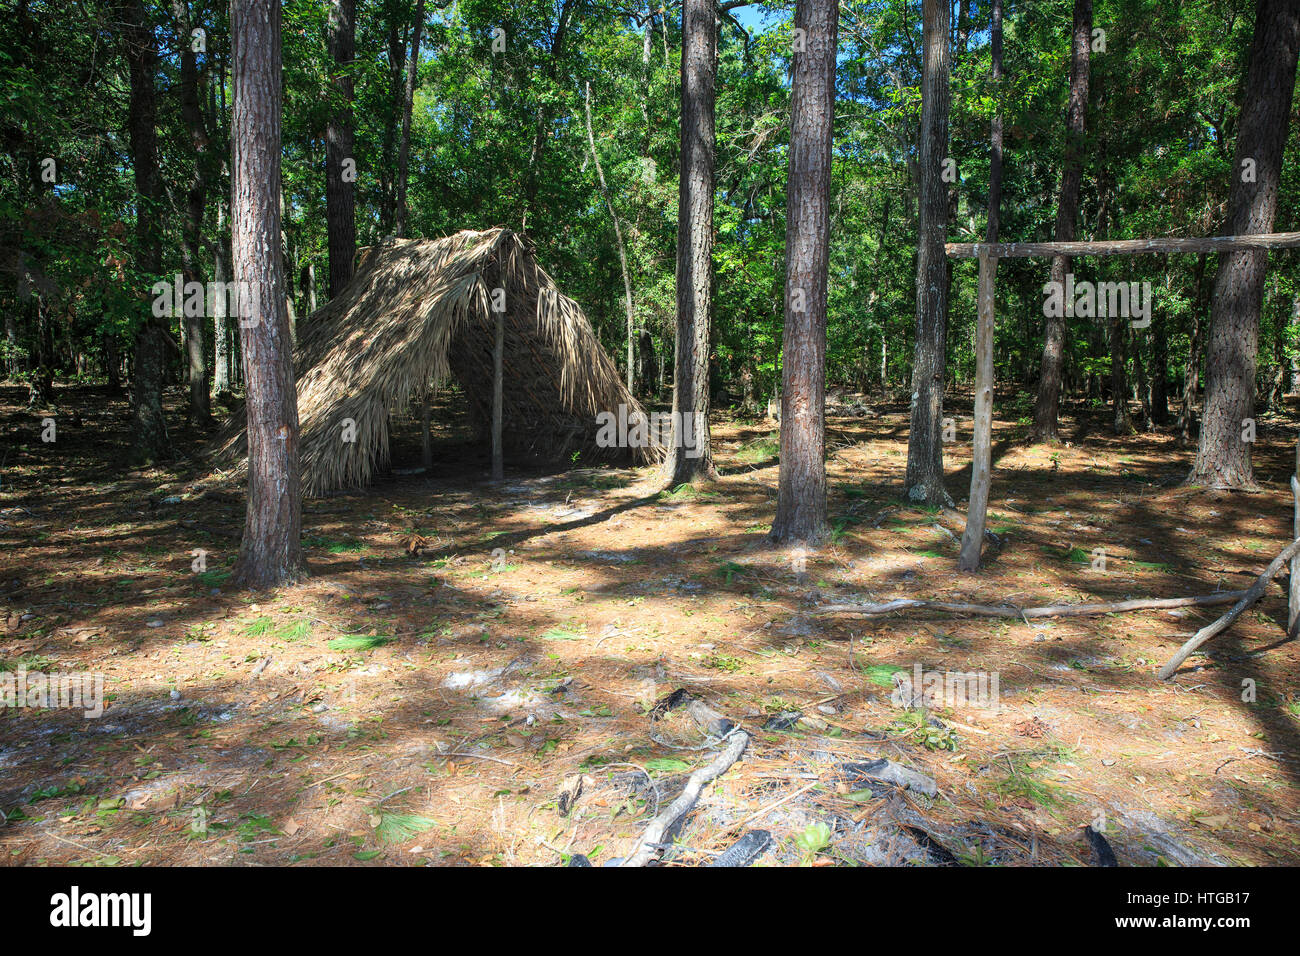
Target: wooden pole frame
{"type": "Point", "coordinates": [1124, 247]}
{"type": "Point", "coordinates": [988, 254]}
{"type": "Point", "coordinates": [972, 538]}
{"type": "Point", "coordinates": [498, 363]}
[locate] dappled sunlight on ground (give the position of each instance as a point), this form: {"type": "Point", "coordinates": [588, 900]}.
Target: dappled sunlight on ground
{"type": "Point", "coordinates": [428, 708]}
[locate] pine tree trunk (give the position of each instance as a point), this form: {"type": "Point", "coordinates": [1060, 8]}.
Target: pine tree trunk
{"type": "Point", "coordinates": [1223, 458]}
{"type": "Point", "coordinates": [1121, 422]}
{"type": "Point", "coordinates": [690, 456]}
{"type": "Point", "coordinates": [924, 481]}
{"type": "Point", "coordinates": [271, 550]}
{"type": "Point", "coordinates": [408, 101]}
{"type": "Point", "coordinates": [1159, 370]}
{"type": "Point", "coordinates": [628, 306]}
{"type": "Point", "coordinates": [1295, 343]}
{"type": "Point", "coordinates": [544, 113]}
{"type": "Point", "coordinates": [148, 426]}
{"type": "Point", "coordinates": [112, 365]}
{"type": "Point", "coordinates": [340, 171]}
{"type": "Point", "coordinates": [11, 342]}
{"type": "Point", "coordinates": [995, 129]}
{"type": "Point", "coordinates": [196, 198]}
{"type": "Point", "coordinates": [221, 372]}
{"type": "Point", "coordinates": [801, 493]}
{"type": "Point", "coordinates": [1048, 405]}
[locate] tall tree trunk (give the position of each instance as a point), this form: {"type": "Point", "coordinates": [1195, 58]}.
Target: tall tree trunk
{"type": "Point", "coordinates": [396, 13]}
{"type": "Point", "coordinates": [1121, 422]}
{"type": "Point", "coordinates": [924, 481]}
{"type": "Point", "coordinates": [408, 101]}
{"type": "Point", "coordinates": [1294, 341]}
{"type": "Point", "coordinates": [148, 426]}
{"type": "Point", "coordinates": [340, 168]}
{"type": "Point", "coordinates": [271, 550]}
{"type": "Point", "coordinates": [11, 342]}
{"type": "Point", "coordinates": [1223, 458]}
{"type": "Point", "coordinates": [221, 334]}
{"type": "Point", "coordinates": [995, 158]}
{"type": "Point", "coordinates": [544, 113]}
{"type": "Point", "coordinates": [629, 308]}
{"type": "Point", "coordinates": [112, 365]}
{"type": "Point", "coordinates": [690, 455]}
{"type": "Point", "coordinates": [801, 492]}
{"type": "Point", "coordinates": [1143, 385]}
{"type": "Point", "coordinates": [995, 129]}
{"type": "Point", "coordinates": [307, 286]}
{"type": "Point", "coordinates": [1160, 364]}
{"type": "Point", "coordinates": [1048, 405]}
{"type": "Point", "coordinates": [1186, 423]}
{"type": "Point", "coordinates": [196, 199]}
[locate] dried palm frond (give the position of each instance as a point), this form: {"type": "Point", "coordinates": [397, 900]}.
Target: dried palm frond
{"type": "Point", "coordinates": [418, 314]}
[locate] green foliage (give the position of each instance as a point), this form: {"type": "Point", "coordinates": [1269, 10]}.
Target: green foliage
{"type": "Point", "coordinates": [500, 137]}
{"type": "Point", "coordinates": [358, 642]}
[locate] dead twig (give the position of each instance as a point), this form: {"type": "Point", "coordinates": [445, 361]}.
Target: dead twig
{"type": "Point", "coordinates": [648, 847]}
{"type": "Point", "coordinates": [1247, 598]}
{"type": "Point", "coordinates": [1050, 610]}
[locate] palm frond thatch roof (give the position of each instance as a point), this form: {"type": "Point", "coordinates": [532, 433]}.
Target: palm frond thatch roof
{"type": "Point", "coordinates": [419, 313]}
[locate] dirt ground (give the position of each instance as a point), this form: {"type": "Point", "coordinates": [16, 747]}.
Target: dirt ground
{"type": "Point", "coordinates": [443, 707]}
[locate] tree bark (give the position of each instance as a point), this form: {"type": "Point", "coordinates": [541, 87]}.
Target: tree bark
{"type": "Point", "coordinates": [544, 112]}
{"type": "Point", "coordinates": [1192, 370]}
{"type": "Point", "coordinates": [1121, 421]}
{"type": "Point", "coordinates": [196, 199]}
{"type": "Point", "coordinates": [1223, 458]}
{"type": "Point", "coordinates": [340, 192]}
{"type": "Point", "coordinates": [995, 130]}
{"type": "Point", "coordinates": [221, 335]}
{"type": "Point", "coordinates": [1048, 404]}
{"type": "Point", "coordinates": [801, 492]}
{"type": "Point", "coordinates": [628, 306]}
{"type": "Point", "coordinates": [271, 550]}
{"type": "Point", "coordinates": [1159, 369]}
{"type": "Point", "coordinates": [148, 425]}
{"type": "Point", "coordinates": [924, 481]}
{"type": "Point", "coordinates": [690, 456]}
{"type": "Point", "coordinates": [1294, 341]}
{"type": "Point", "coordinates": [408, 102]}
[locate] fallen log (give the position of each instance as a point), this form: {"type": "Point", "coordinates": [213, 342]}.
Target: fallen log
{"type": "Point", "coordinates": [1050, 610]}
{"type": "Point", "coordinates": [1248, 597]}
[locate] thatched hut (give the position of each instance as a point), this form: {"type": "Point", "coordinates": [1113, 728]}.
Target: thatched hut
{"type": "Point", "coordinates": [421, 313]}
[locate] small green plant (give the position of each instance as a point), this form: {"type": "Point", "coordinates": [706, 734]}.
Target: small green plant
{"type": "Point", "coordinates": [358, 642]}
{"type": "Point", "coordinates": [400, 827]}
{"type": "Point", "coordinates": [722, 662]}
{"type": "Point", "coordinates": [729, 569]}
{"type": "Point", "coordinates": [760, 449]}
{"type": "Point", "coordinates": [687, 492]}
{"type": "Point", "coordinates": [915, 725]}
{"type": "Point", "coordinates": [815, 838]}
{"type": "Point", "coordinates": [566, 632]}
{"type": "Point", "coordinates": [259, 626]}
{"type": "Point", "coordinates": [29, 662]}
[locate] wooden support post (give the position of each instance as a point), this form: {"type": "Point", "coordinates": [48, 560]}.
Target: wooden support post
{"type": "Point", "coordinates": [498, 363]}
{"type": "Point", "coordinates": [972, 540]}
{"type": "Point", "coordinates": [1293, 586]}
{"type": "Point", "coordinates": [426, 438]}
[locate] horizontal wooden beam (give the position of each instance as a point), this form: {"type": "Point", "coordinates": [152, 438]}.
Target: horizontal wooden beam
{"type": "Point", "coordinates": [1124, 247]}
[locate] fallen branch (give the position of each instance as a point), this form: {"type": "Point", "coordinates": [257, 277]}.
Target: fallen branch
{"type": "Point", "coordinates": [1249, 597]}
{"type": "Point", "coordinates": [647, 847]}
{"type": "Point", "coordinates": [1051, 610]}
